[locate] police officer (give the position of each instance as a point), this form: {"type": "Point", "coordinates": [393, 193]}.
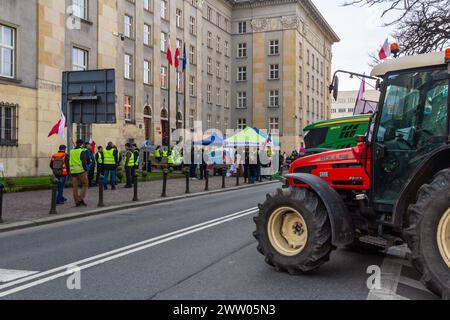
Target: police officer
{"type": "Point", "coordinates": [78, 170]}
{"type": "Point", "coordinates": [129, 165]}
{"type": "Point", "coordinates": [158, 155]}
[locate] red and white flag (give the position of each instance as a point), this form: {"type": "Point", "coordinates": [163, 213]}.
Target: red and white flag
{"type": "Point", "coordinates": [169, 54]}
{"type": "Point", "coordinates": [93, 145]}
{"type": "Point", "coordinates": [385, 51]}
{"type": "Point", "coordinates": [177, 58]}
{"type": "Point", "coordinates": [59, 127]}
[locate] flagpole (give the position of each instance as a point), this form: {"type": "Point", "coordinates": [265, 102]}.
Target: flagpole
{"type": "Point", "coordinates": [185, 87]}
{"type": "Point", "coordinates": [168, 102]}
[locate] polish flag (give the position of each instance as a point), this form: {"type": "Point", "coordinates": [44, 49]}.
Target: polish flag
{"type": "Point", "coordinates": [177, 58]}
{"type": "Point", "coordinates": [59, 127]}
{"type": "Point", "coordinates": [93, 145]}
{"type": "Point", "coordinates": [362, 90]}
{"type": "Point", "coordinates": [169, 55]}
{"type": "Point", "coordinates": [385, 51]}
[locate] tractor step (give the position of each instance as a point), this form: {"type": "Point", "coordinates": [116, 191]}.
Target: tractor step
{"type": "Point", "coordinates": [376, 241]}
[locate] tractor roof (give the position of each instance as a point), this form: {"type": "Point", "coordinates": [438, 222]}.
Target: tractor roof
{"type": "Point", "coordinates": [409, 62]}
{"type": "Point", "coordinates": [343, 121]}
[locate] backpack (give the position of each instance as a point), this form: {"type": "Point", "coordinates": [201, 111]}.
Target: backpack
{"type": "Point", "coordinates": [59, 165]}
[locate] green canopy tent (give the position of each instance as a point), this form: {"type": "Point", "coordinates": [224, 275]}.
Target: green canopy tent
{"type": "Point", "coordinates": [246, 138]}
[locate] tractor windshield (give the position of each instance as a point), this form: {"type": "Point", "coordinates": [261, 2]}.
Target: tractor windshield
{"type": "Point", "coordinates": [412, 124]}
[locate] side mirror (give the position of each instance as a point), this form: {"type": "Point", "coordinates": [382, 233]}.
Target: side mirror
{"type": "Point", "coordinates": [334, 88]}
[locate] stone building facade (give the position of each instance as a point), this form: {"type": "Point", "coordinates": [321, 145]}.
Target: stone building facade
{"type": "Point", "coordinates": [263, 64]}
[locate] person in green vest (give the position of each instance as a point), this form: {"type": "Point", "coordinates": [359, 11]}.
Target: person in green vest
{"type": "Point", "coordinates": [78, 170]}
{"type": "Point", "coordinates": [99, 159]}
{"type": "Point", "coordinates": [170, 158]}
{"type": "Point", "coordinates": [129, 165]}
{"type": "Point", "coordinates": [110, 163]}
{"type": "Point", "coordinates": [158, 155]}
{"type": "Point", "coordinates": [137, 157]}
{"type": "Point", "coordinates": [165, 153]}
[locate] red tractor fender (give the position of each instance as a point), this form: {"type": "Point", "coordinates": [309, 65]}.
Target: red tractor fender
{"type": "Point", "coordinates": [340, 219]}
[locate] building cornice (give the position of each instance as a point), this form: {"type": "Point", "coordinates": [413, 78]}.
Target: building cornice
{"type": "Point", "coordinates": [308, 5]}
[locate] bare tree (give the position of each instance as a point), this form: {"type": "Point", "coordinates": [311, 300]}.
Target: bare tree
{"type": "Point", "coordinates": [421, 26]}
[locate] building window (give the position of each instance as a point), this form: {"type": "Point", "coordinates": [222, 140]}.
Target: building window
{"type": "Point", "coordinates": [226, 99]}
{"type": "Point", "coordinates": [147, 72]}
{"type": "Point", "coordinates": [242, 100]}
{"type": "Point", "coordinates": [227, 73]}
{"type": "Point", "coordinates": [242, 74]}
{"type": "Point", "coordinates": [192, 56]}
{"type": "Point", "coordinates": [79, 59]}
{"type": "Point", "coordinates": [242, 50]}
{"type": "Point", "coordinates": [209, 40]}
{"type": "Point", "coordinates": [209, 93]}
{"type": "Point", "coordinates": [192, 26]}
{"type": "Point", "coordinates": [179, 45]}
{"type": "Point", "coordinates": [274, 48]}
{"type": "Point", "coordinates": [218, 40]}
{"type": "Point", "coordinates": [147, 5]}
{"type": "Point", "coordinates": [179, 82]}
{"type": "Point", "coordinates": [128, 25]}
{"type": "Point", "coordinates": [8, 125]}
{"type": "Point", "coordinates": [164, 9]}
{"type": "Point", "coordinates": [80, 9]}
{"type": "Point", "coordinates": [163, 42]}
{"type": "Point", "coordinates": [179, 18]}
{"type": "Point", "coordinates": [274, 124]}
{"type": "Point", "coordinates": [227, 24]}
{"type": "Point", "coordinates": [128, 107]}
{"type": "Point", "coordinates": [191, 118]}
{"type": "Point", "coordinates": [147, 34]}
{"type": "Point", "coordinates": [164, 77]}
{"type": "Point", "coordinates": [192, 91]}
{"type": "Point", "coordinates": [218, 97]}
{"type": "Point", "coordinates": [208, 65]}
{"type": "Point", "coordinates": [218, 19]}
{"type": "Point", "coordinates": [242, 27]}
{"type": "Point", "coordinates": [227, 49]}
{"type": "Point", "coordinates": [84, 132]}
{"type": "Point", "coordinates": [274, 98]}
{"type": "Point", "coordinates": [208, 121]}
{"type": "Point", "coordinates": [218, 122]}
{"type": "Point", "coordinates": [274, 72]}
{"type": "Point", "coordinates": [242, 123]}
{"type": "Point", "coordinates": [209, 13]}
{"type": "Point", "coordinates": [128, 65]}
{"type": "Point", "coordinates": [7, 51]}
{"type": "Point", "coordinates": [226, 123]}
{"type": "Point", "coordinates": [218, 69]}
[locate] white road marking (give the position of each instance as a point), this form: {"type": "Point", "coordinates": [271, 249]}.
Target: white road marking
{"type": "Point", "coordinates": [118, 253]}
{"type": "Point", "coordinates": [10, 275]}
{"type": "Point", "coordinates": [390, 276]}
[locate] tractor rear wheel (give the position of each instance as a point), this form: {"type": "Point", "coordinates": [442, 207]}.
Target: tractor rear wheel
{"type": "Point", "coordinates": [428, 235]}
{"type": "Point", "coordinates": [293, 231]}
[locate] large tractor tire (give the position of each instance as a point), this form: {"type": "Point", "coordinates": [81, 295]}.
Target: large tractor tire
{"type": "Point", "coordinates": [293, 231]}
{"type": "Point", "coordinates": [428, 235]}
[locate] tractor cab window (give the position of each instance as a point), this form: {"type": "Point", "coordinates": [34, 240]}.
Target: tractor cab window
{"type": "Point", "coordinates": [412, 124]}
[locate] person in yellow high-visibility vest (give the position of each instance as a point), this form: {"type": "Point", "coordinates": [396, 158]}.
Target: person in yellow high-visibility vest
{"type": "Point", "coordinates": [78, 170]}
{"type": "Point", "coordinates": [129, 165]}
{"type": "Point", "coordinates": [170, 158]}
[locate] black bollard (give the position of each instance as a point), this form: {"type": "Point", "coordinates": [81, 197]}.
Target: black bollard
{"type": "Point", "coordinates": [101, 180]}
{"type": "Point", "coordinates": [186, 172]}
{"type": "Point", "coordinates": [224, 175]}
{"type": "Point", "coordinates": [164, 190]}
{"type": "Point", "coordinates": [135, 187]}
{"type": "Point", "coordinates": [2, 189]}
{"type": "Point", "coordinates": [54, 192]}
{"type": "Point", "coordinates": [237, 176]}
{"type": "Point", "coordinates": [206, 180]}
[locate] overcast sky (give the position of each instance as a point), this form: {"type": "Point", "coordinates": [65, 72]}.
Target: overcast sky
{"type": "Point", "coordinates": [360, 30]}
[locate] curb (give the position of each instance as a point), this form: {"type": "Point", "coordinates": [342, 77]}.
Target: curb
{"type": "Point", "coordinates": [72, 216]}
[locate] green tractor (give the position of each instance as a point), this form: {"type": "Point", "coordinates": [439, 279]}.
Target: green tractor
{"type": "Point", "coordinates": [392, 188]}
{"type": "Point", "coordinates": [336, 133]}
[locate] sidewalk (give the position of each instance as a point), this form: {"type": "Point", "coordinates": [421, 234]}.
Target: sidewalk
{"type": "Point", "coordinates": [34, 205]}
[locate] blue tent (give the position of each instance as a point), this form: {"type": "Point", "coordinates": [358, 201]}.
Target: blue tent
{"type": "Point", "coordinates": [213, 140]}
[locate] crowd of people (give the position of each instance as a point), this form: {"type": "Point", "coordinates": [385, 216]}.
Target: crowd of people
{"type": "Point", "coordinates": [86, 168]}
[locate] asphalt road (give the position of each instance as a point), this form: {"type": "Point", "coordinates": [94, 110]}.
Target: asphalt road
{"type": "Point", "coordinates": [199, 248]}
